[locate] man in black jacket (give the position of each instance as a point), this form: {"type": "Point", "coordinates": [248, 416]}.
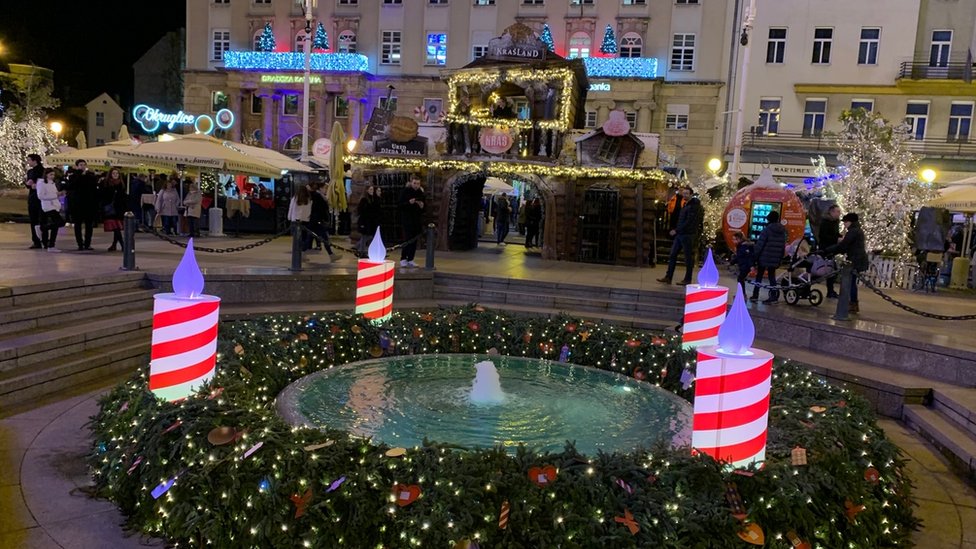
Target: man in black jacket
{"type": "Point", "coordinates": [685, 235]}
{"type": "Point", "coordinates": [827, 236]}
{"type": "Point", "coordinates": [411, 217]}
{"type": "Point", "coordinates": [853, 244]}
{"type": "Point", "coordinates": [83, 203]}
{"type": "Point", "coordinates": [35, 173]}
{"type": "Point", "coordinates": [770, 250]}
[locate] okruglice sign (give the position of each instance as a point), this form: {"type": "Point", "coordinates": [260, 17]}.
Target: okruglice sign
{"type": "Point", "coordinates": [151, 119]}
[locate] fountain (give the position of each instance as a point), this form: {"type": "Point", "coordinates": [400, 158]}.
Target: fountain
{"type": "Point", "coordinates": [487, 387]}
{"type": "Point", "coordinates": [402, 400]}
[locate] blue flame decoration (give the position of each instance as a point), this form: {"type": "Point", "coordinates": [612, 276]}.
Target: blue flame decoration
{"type": "Point", "coordinates": [187, 279]}
{"type": "Point", "coordinates": [377, 251]}
{"type": "Point", "coordinates": [737, 332]}
{"type": "Point", "coordinates": [708, 275]}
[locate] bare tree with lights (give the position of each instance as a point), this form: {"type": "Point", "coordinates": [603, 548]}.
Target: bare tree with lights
{"type": "Point", "coordinates": [23, 127]}
{"type": "Point", "coordinates": [881, 183]}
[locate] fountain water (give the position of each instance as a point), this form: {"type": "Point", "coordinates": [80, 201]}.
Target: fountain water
{"type": "Point", "coordinates": [487, 388]}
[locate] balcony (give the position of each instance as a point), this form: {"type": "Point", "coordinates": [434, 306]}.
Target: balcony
{"type": "Point", "coordinates": [923, 70]}
{"type": "Point", "coordinates": [824, 144]}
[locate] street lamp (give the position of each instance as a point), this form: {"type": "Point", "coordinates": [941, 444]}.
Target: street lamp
{"type": "Point", "coordinates": [749, 18]}
{"type": "Point", "coordinates": [56, 129]}
{"type": "Point", "coordinates": [308, 6]}
{"type": "Point", "coordinates": [714, 165]}
{"type": "Point", "coordinates": [351, 145]}
{"type": "Point", "coordinates": [928, 175]}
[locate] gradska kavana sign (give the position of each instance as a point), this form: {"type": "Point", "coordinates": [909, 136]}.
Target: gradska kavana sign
{"type": "Point", "coordinates": [151, 118]}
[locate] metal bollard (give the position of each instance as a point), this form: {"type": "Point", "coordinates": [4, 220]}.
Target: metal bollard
{"type": "Point", "coordinates": [296, 246]}
{"type": "Point", "coordinates": [129, 242]}
{"type": "Point", "coordinates": [430, 248]}
{"type": "Point", "coordinates": [844, 299]}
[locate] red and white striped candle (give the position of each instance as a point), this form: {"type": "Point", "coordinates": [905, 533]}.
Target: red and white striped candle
{"type": "Point", "coordinates": [184, 335]}
{"type": "Point", "coordinates": [732, 381]}
{"type": "Point", "coordinates": [705, 305]}
{"type": "Point", "coordinates": [374, 283]}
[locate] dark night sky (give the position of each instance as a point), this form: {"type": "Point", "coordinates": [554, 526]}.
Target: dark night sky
{"type": "Point", "coordinates": [90, 44]}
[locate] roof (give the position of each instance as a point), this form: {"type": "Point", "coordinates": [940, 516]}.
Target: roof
{"type": "Point", "coordinates": [103, 98]}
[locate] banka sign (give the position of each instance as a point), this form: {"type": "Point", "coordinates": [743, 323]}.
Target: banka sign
{"type": "Point", "coordinates": [151, 119]}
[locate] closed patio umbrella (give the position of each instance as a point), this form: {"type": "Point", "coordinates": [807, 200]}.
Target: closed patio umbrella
{"type": "Point", "coordinates": [337, 187]}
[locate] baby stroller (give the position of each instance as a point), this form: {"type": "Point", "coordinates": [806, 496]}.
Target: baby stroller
{"type": "Point", "coordinates": [802, 274]}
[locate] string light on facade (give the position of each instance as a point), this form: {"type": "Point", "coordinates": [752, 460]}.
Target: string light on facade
{"type": "Point", "coordinates": [295, 61]}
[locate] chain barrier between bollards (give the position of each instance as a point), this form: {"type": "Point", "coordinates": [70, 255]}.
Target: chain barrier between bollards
{"type": "Point", "coordinates": [250, 246]}
{"type": "Point", "coordinates": [867, 283]}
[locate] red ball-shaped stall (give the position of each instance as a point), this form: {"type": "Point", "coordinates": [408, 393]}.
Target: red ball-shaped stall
{"type": "Point", "coordinates": [749, 206]}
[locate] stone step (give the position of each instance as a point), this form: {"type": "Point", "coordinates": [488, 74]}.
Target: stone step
{"type": "Point", "coordinates": [671, 313]}
{"type": "Point", "coordinates": [68, 311]}
{"type": "Point", "coordinates": [26, 348]}
{"type": "Point", "coordinates": [564, 290]}
{"type": "Point", "coordinates": [958, 404]}
{"type": "Point", "coordinates": [529, 310]}
{"type": "Point", "coordinates": [38, 380]}
{"type": "Point", "coordinates": [956, 443]}
{"type": "Point", "coordinates": [28, 293]}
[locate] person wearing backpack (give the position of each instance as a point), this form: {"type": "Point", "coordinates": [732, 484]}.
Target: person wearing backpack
{"type": "Point", "coordinates": [745, 257]}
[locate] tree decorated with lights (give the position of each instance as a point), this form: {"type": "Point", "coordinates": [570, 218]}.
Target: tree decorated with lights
{"type": "Point", "coordinates": [321, 40]}
{"type": "Point", "coordinates": [23, 127]}
{"type": "Point", "coordinates": [880, 183]}
{"type": "Point", "coordinates": [609, 44]}
{"type": "Point", "coordinates": [266, 42]}
{"type": "Point", "coordinates": [546, 37]}
{"type": "Point", "coordinates": [714, 192]}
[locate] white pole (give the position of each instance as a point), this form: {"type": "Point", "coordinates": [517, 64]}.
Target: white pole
{"type": "Point", "coordinates": [746, 40]}
{"type": "Point", "coordinates": [307, 46]}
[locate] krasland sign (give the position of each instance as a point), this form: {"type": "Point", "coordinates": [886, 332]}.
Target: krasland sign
{"type": "Point", "coordinates": [518, 43]}
{"type": "Point", "coordinates": [289, 79]}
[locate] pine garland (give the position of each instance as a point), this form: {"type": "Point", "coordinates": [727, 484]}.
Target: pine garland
{"type": "Point", "coordinates": [221, 499]}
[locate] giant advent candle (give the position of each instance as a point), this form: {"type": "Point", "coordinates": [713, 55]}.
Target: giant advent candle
{"type": "Point", "coordinates": [184, 334]}
{"type": "Point", "coordinates": [374, 283]}
{"type": "Point", "coordinates": [731, 411]}
{"type": "Point", "coordinates": [705, 305]}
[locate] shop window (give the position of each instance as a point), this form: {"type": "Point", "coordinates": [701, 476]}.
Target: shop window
{"type": "Point", "coordinates": [256, 104]}
{"type": "Point", "coordinates": [341, 107]}
{"type": "Point", "coordinates": [218, 100]}
{"type": "Point", "coordinates": [289, 104]}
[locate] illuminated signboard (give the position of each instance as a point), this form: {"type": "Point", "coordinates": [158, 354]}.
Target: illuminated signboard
{"type": "Point", "coordinates": [289, 79]}
{"type": "Point", "coordinates": [151, 119]}
{"type": "Point", "coordinates": [600, 87]}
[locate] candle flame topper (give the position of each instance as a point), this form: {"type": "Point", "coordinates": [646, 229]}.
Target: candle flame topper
{"type": "Point", "coordinates": [731, 410]}
{"type": "Point", "coordinates": [374, 283]}
{"type": "Point", "coordinates": [705, 305]}
{"type": "Point", "coordinates": [184, 336]}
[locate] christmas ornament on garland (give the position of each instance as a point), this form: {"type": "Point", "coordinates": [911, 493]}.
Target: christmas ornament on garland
{"type": "Point", "coordinates": [753, 534]}
{"type": "Point", "coordinates": [734, 499]}
{"type": "Point", "coordinates": [335, 484]}
{"type": "Point", "coordinates": [542, 476]}
{"type": "Point", "coordinates": [396, 452]}
{"type": "Point", "coordinates": [872, 475]}
{"type": "Point", "coordinates": [219, 436]}
{"type": "Point", "coordinates": [852, 510]}
{"type": "Point", "coordinates": [406, 494]}
{"type": "Point", "coordinates": [628, 521]}
{"type": "Point", "coordinates": [301, 502]}
{"type": "Point", "coordinates": [798, 456]}
{"type": "Point", "coordinates": [314, 447]}
{"type": "Point", "coordinates": [796, 541]}
{"type": "Point", "coordinates": [503, 515]}
{"type": "Point", "coordinates": [473, 326]}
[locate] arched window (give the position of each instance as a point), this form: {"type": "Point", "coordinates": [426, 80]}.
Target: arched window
{"type": "Point", "coordinates": [300, 41]}
{"type": "Point", "coordinates": [631, 45]}
{"type": "Point", "coordinates": [579, 45]}
{"type": "Point", "coordinates": [257, 39]}
{"type": "Point", "coordinates": [294, 143]}
{"type": "Point", "coordinates": [347, 42]}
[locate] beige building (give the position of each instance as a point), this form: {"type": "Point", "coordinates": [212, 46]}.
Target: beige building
{"type": "Point", "coordinates": [666, 75]}
{"type": "Point", "coordinates": [105, 117]}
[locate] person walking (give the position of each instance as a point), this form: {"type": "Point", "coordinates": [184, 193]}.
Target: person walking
{"type": "Point", "coordinates": [853, 244]}
{"type": "Point", "coordinates": [35, 174]}
{"type": "Point", "coordinates": [193, 202]}
{"type": "Point", "coordinates": [533, 216]}
{"type": "Point", "coordinates": [745, 258]}
{"type": "Point", "coordinates": [51, 221]}
{"type": "Point", "coordinates": [113, 200]}
{"type": "Point", "coordinates": [411, 205]}
{"type": "Point", "coordinates": [319, 219]}
{"type": "Point", "coordinates": [82, 203]}
{"type": "Point", "coordinates": [299, 210]}
{"type": "Point", "coordinates": [168, 206]}
{"type": "Point", "coordinates": [770, 249]}
{"type": "Point", "coordinates": [827, 236]}
{"type": "Point", "coordinates": [503, 213]}
{"type": "Point", "coordinates": [685, 234]}
{"type": "Point", "coordinates": [369, 212]}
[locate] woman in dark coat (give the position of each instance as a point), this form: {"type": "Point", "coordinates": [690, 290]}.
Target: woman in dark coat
{"type": "Point", "coordinates": [111, 190]}
{"type": "Point", "coordinates": [319, 219]}
{"type": "Point", "coordinates": [770, 249]}
{"type": "Point", "coordinates": [369, 213]}
{"type": "Point", "coordinates": [853, 245]}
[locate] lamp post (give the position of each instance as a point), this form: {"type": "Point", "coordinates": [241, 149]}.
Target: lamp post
{"type": "Point", "coordinates": [747, 22]}
{"type": "Point", "coordinates": [928, 175]}
{"type": "Point", "coordinates": [308, 6]}
{"type": "Point", "coordinates": [56, 129]}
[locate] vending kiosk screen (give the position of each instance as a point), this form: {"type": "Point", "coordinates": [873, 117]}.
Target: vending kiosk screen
{"type": "Point", "coordinates": [758, 219]}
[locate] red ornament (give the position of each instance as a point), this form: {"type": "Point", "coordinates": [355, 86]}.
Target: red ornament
{"type": "Point", "coordinates": [335, 329]}
{"type": "Point", "coordinates": [527, 337]}
{"type": "Point", "coordinates": [852, 510]}
{"type": "Point", "coordinates": [639, 374]}
{"type": "Point", "coordinates": [427, 317]}
{"type": "Point", "coordinates": [659, 341]}
{"type": "Point", "coordinates": [628, 521]}
{"type": "Point", "coordinates": [872, 475]}
{"type": "Point", "coordinates": [542, 476]}
{"type": "Point", "coordinates": [571, 327]}
{"type": "Point", "coordinates": [406, 494]}
{"type": "Point", "coordinates": [301, 502]}
{"type": "Point", "coordinates": [473, 326]}
{"type": "Point", "coordinates": [418, 333]}
{"type": "Point", "coordinates": [632, 343]}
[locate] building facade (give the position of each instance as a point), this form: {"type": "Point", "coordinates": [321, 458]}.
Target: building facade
{"type": "Point", "coordinates": [158, 74]}
{"type": "Point", "coordinates": [105, 118]}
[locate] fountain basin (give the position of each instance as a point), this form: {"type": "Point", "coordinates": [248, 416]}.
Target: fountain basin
{"type": "Point", "coordinates": [401, 400]}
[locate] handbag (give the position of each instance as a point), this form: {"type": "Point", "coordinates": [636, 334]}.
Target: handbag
{"type": "Point", "coordinates": [109, 210]}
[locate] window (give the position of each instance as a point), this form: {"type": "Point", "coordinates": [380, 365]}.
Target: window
{"type": "Point", "coordinates": [814, 115]}
{"type": "Point", "coordinates": [347, 42]}
{"type": "Point", "coordinates": [99, 141]}
{"type": "Point", "coordinates": [257, 105]}
{"type": "Point", "coordinates": [960, 120]}
{"type": "Point", "coordinates": [822, 39]}
{"type": "Point", "coordinates": [221, 43]}
{"type": "Point", "coordinates": [776, 46]}
{"type": "Point", "coordinates": [579, 45]}
{"type": "Point", "coordinates": [683, 52]}
{"type": "Point", "coordinates": [263, 2]}
{"type": "Point", "coordinates": [686, 1]}
{"type": "Point", "coordinates": [300, 41]}
{"type": "Point", "coordinates": [866, 104]}
{"type": "Point", "coordinates": [631, 118]}
{"type": "Point", "coordinates": [582, 2]}
{"type": "Point", "coordinates": [221, 1]}
{"type": "Point", "coordinates": [348, 2]}
{"type": "Point", "coordinates": [218, 100]}
{"type": "Point", "coordinates": [392, 103]}
{"type": "Point", "coordinates": [609, 149]}
{"type": "Point", "coordinates": [635, 2]}
{"type": "Point", "coordinates": [533, 2]}
{"type": "Point", "coordinates": [392, 2]}
{"type": "Point", "coordinates": [113, 136]}
{"type": "Point", "coordinates": [484, 2]}
{"type": "Point", "coordinates": [590, 119]}
{"type": "Point", "coordinates": [867, 53]}
{"type": "Point", "coordinates": [941, 45]}
{"type": "Point", "coordinates": [294, 143]}
{"type": "Point", "coordinates": [437, 2]}
{"type": "Point", "coordinates": [677, 117]}
{"type": "Point", "coordinates": [341, 107]}
{"type": "Point", "coordinates": [631, 45]}
{"type": "Point", "coordinates": [917, 116]}
{"type": "Point", "coordinates": [289, 104]}
{"type": "Point", "coordinates": [769, 108]}
{"type": "Point", "coordinates": [436, 48]}
{"type": "Point", "coordinates": [99, 119]}
{"type": "Point", "coordinates": [479, 51]}
{"type": "Point", "coordinates": [390, 50]}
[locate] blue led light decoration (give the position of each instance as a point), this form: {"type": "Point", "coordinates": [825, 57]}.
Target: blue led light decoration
{"type": "Point", "coordinates": [737, 333]}
{"type": "Point", "coordinates": [266, 42]}
{"type": "Point", "coordinates": [546, 37]}
{"type": "Point", "coordinates": [708, 275]}
{"type": "Point", "coordinates": [295, 61]}
{"type": "Point", "coordinates": [321, 39]}
{"type": "Point", "coordinates": [644, 68]}
{"type": "Point", "coordinates": [609, 44]}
